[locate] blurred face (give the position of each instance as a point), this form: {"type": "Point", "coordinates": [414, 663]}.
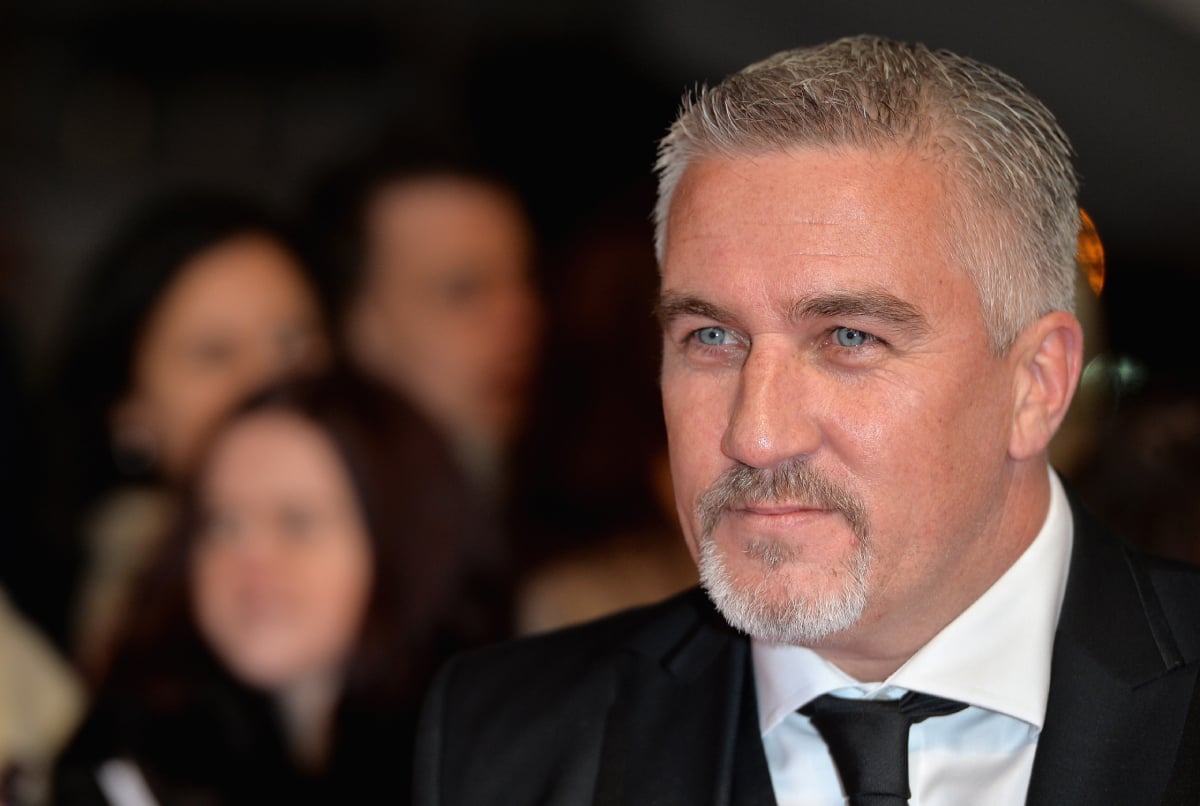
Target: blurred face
{"type": "Point", "coordinates": [282, 566]}
{"type": "Point", "coordinates": [838, 424]}
{"type": "Point", "coordinates": [237, 316]}
{"type": "Point", "coordinates": [447, 314]}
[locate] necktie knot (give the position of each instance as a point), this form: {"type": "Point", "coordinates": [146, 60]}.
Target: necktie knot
{"type": "Point", "coordinates": [868, 740]}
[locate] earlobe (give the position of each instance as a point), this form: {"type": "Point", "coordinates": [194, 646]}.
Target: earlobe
{"type": "Point", "coordinates": [1049, 356]}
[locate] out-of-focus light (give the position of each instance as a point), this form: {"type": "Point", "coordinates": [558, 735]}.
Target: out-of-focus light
{"type": "Point", "coordinates": [1120, 373]}
{"type": "Point", "coordinates": [1130, 373]}
{"type": "Point", "coordinates": [1090, 253]}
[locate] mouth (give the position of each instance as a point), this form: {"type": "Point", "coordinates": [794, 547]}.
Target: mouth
{"type": "Point", "coordinates": [776, 510]}
{"type": "Point", "coordinates": [793, 495]}
{"type": "Point", "coordinates": [780, 520]}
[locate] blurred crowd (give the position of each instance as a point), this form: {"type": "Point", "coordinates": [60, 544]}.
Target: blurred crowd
{"type": "Point", "coordinates": [285, 462]}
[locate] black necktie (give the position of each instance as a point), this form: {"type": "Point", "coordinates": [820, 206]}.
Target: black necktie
{"type": "Point", "coordinates": [868, 740]}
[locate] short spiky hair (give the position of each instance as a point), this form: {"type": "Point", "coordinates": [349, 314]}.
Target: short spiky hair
{"type": "Point", "coordinates": [1006, 161]}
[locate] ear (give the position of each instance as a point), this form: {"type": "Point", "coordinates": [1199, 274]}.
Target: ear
{"type": "Point", "coordinates": [1049, 358]}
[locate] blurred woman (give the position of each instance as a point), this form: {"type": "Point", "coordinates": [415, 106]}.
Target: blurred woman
{"type": "Point", "coordinates": [199, 301]}
{"type": "Point", "coordinates": [288, 633]}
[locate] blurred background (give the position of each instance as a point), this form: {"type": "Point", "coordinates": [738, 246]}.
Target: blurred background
{"type": "Point", "coordinates": [471, 181]}
{"type": "Point", "coordinates": [102, 102]}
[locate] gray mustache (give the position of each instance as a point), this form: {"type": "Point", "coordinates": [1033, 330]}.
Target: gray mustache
{"type": "Point", "coordinates": [794, 482]}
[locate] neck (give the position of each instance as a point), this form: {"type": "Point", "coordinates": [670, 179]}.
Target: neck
{"type": "Point", "coordinates": [307, 710]}
{"type": "Point", "coordinates": [481, 457]}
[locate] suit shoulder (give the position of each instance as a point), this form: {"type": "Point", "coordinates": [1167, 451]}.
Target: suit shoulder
{"type": "Point", "coordinates": [575, 653]}
{"type": "Point", "coordinates": [527, 717]}
{"type": "Point", "coordinates": [1177, 588]}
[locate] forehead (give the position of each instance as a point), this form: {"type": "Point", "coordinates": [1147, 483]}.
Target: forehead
{"type": "Point", "coordinates": [415, 205]}
{"type": "Point", "coordinates": [246, 280]}
{"type": "Point", "coordinates": [433, 224]}
{"type": "Point", "coordinates": [243, 261]}
{"type": "Point", "coordinates": [807, 221]}
{"type": "Point", "coordinates": [270, 449]}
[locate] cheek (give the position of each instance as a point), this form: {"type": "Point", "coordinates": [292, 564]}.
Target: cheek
{"type": "Point", "coordinates": [337, 589]}
{"type": "Point", "coordinates": [199, 411]}
{"type": "Point", "coordinates": [186, 406]}
{"type": "Point", "coordinates": [212, 590]}
{"type": "Point", "coordinates": [919, 421]}
{"type": "Point", "coordinates": [429, 346]}
{"type": "Point", "coordinates": [929, 450]}
{"type": "Point", "coordinates": [973, 414]}
{"type": "Point", "coordinates": [696, 417]}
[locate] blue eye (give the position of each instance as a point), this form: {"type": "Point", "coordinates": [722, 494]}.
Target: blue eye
{"type": "Point", "coordinates": [711, 336]}
{"type": "Point", "coordinates": [849, 337]}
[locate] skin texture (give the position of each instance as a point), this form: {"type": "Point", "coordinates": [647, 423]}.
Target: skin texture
{"type": "Point", "coordinates": [282, 568]}
{"type": "Point", "coordinates": [846, 341]}
{"type": "Point", "coordinates": [448, 315]}
{"type": "Point", "coordinates": [237, 316]}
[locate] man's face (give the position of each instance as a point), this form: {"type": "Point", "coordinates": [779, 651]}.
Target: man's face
{"type": "Point", "coordinates": [838, 424]}
{"type": "Point", "coordinates": [448, 314]}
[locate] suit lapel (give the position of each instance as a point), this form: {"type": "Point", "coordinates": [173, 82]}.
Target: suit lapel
{"type": "Point", "coordinates": [684, 726]}
{"type": "Point", "coordinates": [1118, 686]}
{"type": "Point", "coordinates": [1121, 719]}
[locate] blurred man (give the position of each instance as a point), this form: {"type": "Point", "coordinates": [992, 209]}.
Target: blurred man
{"type": "Point", "coordinates": [867, 256]}
{"type": "Point", "coordinates": [429, 266]}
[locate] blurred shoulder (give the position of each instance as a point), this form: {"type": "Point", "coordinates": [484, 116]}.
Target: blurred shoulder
{"type": "Point", "coordinates": [577, 653]}
{"type": "Point", "coordinates": [528, 717]}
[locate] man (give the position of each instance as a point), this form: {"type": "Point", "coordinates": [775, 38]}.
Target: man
{"type": "Point", "coordinates": [867, 260]}
{"type": "Point", "coordinates": [427, 262]}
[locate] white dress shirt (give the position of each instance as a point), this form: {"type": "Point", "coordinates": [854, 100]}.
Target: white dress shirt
{"type": "Point", "coordinates": [995, 657]}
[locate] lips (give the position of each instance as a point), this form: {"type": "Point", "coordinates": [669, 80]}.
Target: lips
{"type": "Point", "coordinates": [792, 492]}
{"type": "Point", "coordinates": [773, 510]}
{"type": "Point", "coordinates": [778, 519]}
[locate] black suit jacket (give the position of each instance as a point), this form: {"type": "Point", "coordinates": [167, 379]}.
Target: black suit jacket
{"type": "Point", "coordinates": [657, 706]}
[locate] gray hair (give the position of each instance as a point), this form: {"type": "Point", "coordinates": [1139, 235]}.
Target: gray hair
{"type": "Point", "coordinates": [1007, 163]}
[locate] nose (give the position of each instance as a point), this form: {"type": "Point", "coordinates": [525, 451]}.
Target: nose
{"type": "Point", "coordinates": [256, 556]}
{"type": "Point", "coordinates": [773, 418]}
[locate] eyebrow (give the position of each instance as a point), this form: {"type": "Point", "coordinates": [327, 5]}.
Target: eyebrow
{"type": "Point", "coordinates": [877, 305]}
{"type": "Point", "coordinates": [672, 306]}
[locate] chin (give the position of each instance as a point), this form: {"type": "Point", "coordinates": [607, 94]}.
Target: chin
{"type": "Point", "coordinates": [263, 676]}
{"type": "Point", "coordinates": [779, 603]}
{"type": "Point", "coordinates": [258, 668]}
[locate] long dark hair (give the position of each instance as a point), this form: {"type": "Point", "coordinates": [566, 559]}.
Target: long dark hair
{"type": "Point", "coordinates": [421, 516]}
{"type": "Point", "coordinates": [94, 365]}
{"type": "Point", "coordinates": [115, 303]}
{"type": "Point", "coordinates": [427, 598]}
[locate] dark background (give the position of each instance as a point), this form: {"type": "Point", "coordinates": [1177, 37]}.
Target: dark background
{"type": "Point", "coordinates": [102, 102]}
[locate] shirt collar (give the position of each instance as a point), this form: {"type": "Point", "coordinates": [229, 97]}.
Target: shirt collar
{"type": "Point", "coordinates": [994, 655]}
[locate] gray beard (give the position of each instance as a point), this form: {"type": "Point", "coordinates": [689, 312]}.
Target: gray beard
{"type": "Point", "coordinates": [795, 617]}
